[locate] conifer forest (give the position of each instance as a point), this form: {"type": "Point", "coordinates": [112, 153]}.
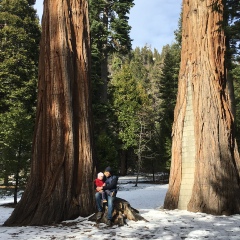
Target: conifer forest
{"type": "Point", "coordinates": [75, 97]}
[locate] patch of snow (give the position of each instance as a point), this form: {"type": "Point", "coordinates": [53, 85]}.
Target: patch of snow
{"type": "Point", "coordinates": [148, 199]}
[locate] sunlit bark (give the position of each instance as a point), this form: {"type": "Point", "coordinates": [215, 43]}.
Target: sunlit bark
{"type": "Point", "coordinates": [205, 161]}
{"type": "Point", "coordinates": [60, 185]}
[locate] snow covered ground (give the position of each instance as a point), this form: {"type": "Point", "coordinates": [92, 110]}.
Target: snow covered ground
{"type": "Point", "coordinates": [148, 199]}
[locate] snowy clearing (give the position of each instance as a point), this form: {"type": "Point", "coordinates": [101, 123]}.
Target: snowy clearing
{"type": "Point", "coordinates": [148, 199]}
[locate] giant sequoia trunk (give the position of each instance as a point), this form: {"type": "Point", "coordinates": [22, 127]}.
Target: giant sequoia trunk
{"type": "Point", "coordinates": [205, 161]}
{"type": "Point", "coordinates": [60, 185]}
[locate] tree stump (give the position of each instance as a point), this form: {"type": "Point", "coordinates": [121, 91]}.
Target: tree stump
{"type": "Point", "coordinates": [122, 211]}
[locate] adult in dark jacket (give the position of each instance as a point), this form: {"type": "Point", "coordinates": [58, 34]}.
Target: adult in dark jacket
{"type": "Point", "coordinates": [110, 189]}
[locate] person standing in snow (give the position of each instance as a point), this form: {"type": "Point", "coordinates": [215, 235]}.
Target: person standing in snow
{"type": "Point", "coordinates": [110, 189]}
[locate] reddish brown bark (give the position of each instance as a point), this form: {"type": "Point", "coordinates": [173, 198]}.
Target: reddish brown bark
{"type": "Point", "coordinates": [216, 186]}
{"type": "Point", "coordinates": [60, 185]}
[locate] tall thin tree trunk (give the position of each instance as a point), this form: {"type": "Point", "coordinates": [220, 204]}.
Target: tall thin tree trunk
{"type": "Point", "coordinates": [62, 170]}
{"type": "Point", "coordinates": [153, 169]}
{"type": "Point", "coordinates": [5, 181]}
{"type": "Point", "coordinates": [16, 188]}
{"type": "Point", "coordinates": [19, 156]}
{"type": "Point", "coordinates": [104, 61]}
{"type": "Point", "coordinates": [104, 78]}
{"type": "Point", "coordinates": [123, 162]}
{"type": "Point", "coordinates": [139, 153]}
{"type": "Point", "coordinates": [205, 161]}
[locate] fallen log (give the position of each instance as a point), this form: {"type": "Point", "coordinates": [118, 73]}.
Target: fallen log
{"type": "Point", "coordinates": [122, 211]}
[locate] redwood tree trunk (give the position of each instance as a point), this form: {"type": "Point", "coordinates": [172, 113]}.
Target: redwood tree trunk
{"type": "Point", "coordinates": [60, 185]}
{"type": "Point", "coordinates": [205, 161]}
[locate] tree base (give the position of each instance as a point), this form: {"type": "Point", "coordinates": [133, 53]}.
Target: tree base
{"type": "Point", "coordinates": [122, 211]}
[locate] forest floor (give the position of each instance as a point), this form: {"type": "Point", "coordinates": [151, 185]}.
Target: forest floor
{"type": "Point", "coordinates": [148, 198]}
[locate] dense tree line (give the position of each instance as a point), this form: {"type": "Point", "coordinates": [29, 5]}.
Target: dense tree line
{"type": "Point", "coordinates": [134, 91]}
{"type": "Point", "coordinates": [110, 33]}
{"type": "Point", "coordinates": [233, 34]}
{"type": "Point", "coordinates": [19, 52]}
{"type": "Point", "coordinates": [143, 93]}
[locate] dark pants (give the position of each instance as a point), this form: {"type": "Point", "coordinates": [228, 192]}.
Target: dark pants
{"type": "Point", "coordinates": [110, 201]}
{"type": "Point", "coordinates": [103, 195]}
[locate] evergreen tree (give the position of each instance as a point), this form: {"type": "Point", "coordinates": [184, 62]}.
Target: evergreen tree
{"type": "Point", "coordinates": [168, 93]}
{"type": "Point", "coordinates": [109, 34]}
{"type": "Point", "coordinates": [16, 128]}
{"type": "Point", "coordinates": [19, 39]}
{"type": "Point", "coordinates": [133, 93]}
{"type": "Point", "coordinates": [154, 161]}
{"type": "Point", "coordinates": [235, 72]}
{"type": "Point", "coordinates": [232, 25]}
{"type": "Point", "coordinates": [20, 35]}
{"type": "Point", "coordinates": [128, 97]}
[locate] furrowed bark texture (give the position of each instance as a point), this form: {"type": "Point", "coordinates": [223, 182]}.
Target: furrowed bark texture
{"type": "Point", "coordinates": [205, 161]}
{"type": "Point", "coordinates": [62, 171]}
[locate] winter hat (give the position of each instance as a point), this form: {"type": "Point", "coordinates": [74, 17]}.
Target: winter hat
{"type": "Point", "coordinates": [108, 169]}
{"type": "Point", "coordinates": [100, 174]}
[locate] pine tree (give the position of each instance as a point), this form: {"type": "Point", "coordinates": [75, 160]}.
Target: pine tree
{"type": "Point", "coordinates": [232, 16]}
{"type": "Point", "coordinates": [109, 34]}
{"type": "Point", "coordinates": [168, 93]}
{"type": "Point", "coordinates": [19, 45]}
{"type": "Point", "coordinates": [20, 36]}
{"type": "Point", "coordinates": [130, 89]}
{"type": "Point", "coordinates": [236, 77]}
{"type": "Point", "coordinates": [232, 19]}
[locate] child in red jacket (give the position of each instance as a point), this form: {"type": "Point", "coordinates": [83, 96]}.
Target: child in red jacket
{"type": "Point", "coordinates": [100, 183]}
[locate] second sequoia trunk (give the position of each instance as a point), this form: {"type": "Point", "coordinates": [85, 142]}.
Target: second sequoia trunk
{"type": "Point", "coordinates": [205, 161]}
